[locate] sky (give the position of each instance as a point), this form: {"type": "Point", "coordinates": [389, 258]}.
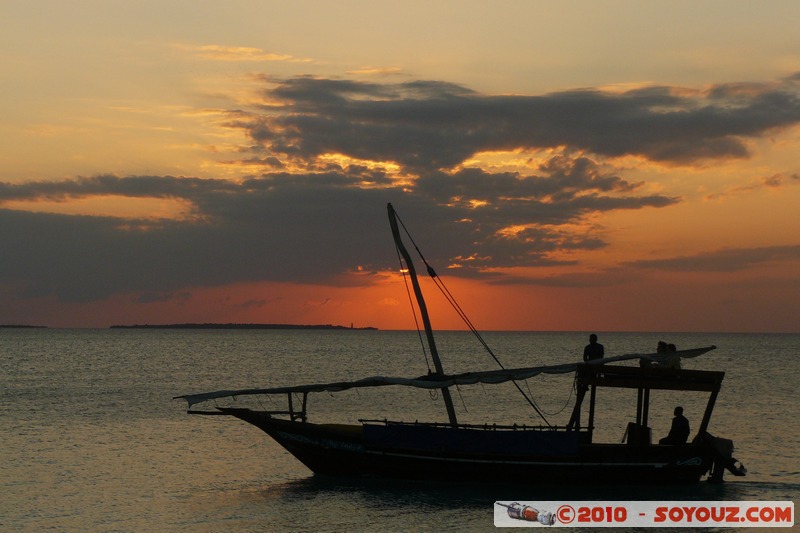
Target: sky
{"type": "Point", "coordinates": [563, 165]}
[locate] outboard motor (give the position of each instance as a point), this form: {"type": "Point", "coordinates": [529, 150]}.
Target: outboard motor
{"type": "Point", "coordinates": [724, 459]}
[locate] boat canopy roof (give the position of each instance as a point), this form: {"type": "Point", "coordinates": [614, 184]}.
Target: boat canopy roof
{"type": "Point", "coordinates": [438, 381]}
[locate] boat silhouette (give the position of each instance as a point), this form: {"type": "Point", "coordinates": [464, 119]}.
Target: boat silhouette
{"type": "Point", "coordinates": [450, 451]}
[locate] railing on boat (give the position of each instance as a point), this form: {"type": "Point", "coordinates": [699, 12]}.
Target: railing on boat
{"type": "Point", "coordinates": [499, 427]}
{"type": "Point", "coordinates": [291, 412]}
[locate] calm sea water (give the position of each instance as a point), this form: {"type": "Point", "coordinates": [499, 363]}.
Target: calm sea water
{"type": "Point", "coordinates": [92, 441]}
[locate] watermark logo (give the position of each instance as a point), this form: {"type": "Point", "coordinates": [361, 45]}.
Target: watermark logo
{"type": "Point", "coordinates": [644, 514]}
{"type": "Point", "coordinates": [517, 511]}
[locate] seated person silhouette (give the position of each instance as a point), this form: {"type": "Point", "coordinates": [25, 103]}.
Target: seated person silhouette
{"type": "Point", "coordinates": [593, 350]}
{"type": "Point", "coordinates": [679, 432]}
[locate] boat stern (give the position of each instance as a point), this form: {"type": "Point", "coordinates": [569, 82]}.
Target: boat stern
{"type": "Point", "coordinates": [723, 458]}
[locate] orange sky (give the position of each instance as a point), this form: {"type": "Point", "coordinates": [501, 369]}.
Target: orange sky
{"type": "Point", "coordinates": [234, 166]}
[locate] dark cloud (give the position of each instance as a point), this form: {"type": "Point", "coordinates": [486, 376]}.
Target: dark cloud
{"type": "Point", "coordinates": [433, 125]}
{"type": "Point", "coordinates": [311, 220]}
{"type": "Point", "coordinates": [310, 227]}
{"type": "Point", "coordinates": [157, 297]}
{"type": "Point", "coordinates": [602, 278]}
{"type": "Point", "coordinates": [714, 262]}
{"type": "Point", "coordinates": [253, 303]}
{"type": "Point", "coordinates": [726, 260]}
{"type": "Point", "coordinates": [563, 179]}
{"type": "Point", "coordinates": [134, 187]}
{"type": "Point", "coordinates": [774, 182]}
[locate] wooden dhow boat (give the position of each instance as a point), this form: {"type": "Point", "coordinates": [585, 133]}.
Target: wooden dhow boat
{"type": "Point", "coordinates": [451, 451]}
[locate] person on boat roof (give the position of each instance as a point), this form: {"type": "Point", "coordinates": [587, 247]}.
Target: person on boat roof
{"type": "Point", "coordinates": [679, 432]}
{"type": "Point", "coordinates": [648, 363]}
{"type": "Point", "coordinates": [593, 350]}
{"type": "Point", "coordinates": [673, 360]}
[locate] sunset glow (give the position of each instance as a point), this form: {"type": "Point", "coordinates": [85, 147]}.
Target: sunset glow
{"type": "Point", "coordinates": [236, 167]}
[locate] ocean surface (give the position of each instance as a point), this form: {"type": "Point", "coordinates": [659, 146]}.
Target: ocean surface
{"type": "Point", "coordinates": [91, 439]}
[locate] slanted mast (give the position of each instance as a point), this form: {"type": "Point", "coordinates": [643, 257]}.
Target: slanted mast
{"type": "Point", "coordinates": [423, 311]}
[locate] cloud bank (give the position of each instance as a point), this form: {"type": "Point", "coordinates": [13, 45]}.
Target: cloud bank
{"type": "Point", "coordinates": [335, 151]}
{"type": "Point", "coordinates": [433, 125]}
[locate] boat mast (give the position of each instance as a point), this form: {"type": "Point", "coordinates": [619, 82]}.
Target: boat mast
{"type": "Point", "coordinates": [423, 311]}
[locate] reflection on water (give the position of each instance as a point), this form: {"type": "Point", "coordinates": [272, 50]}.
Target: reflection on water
{"type": "Point", "coordinates": [318, 503]}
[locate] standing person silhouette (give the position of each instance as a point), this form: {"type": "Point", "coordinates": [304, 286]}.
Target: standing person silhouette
{"type": "Point", "coordinates": [593, 350]}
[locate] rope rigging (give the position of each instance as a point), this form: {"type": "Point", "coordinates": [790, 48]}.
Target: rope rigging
{"type": "Point", "coordinates": [413, 308]}
{"type": "Point", "coordinates": [452, 301]}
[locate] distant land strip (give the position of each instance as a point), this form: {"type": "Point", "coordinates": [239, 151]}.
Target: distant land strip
{"type": "Point", "coordinates": [21, 326]}
{"type": "Point", "coordinates": [239, 326]}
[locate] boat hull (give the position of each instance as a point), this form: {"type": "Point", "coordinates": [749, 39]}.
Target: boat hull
{"type": "Point", "coordinates": [500, 456]}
